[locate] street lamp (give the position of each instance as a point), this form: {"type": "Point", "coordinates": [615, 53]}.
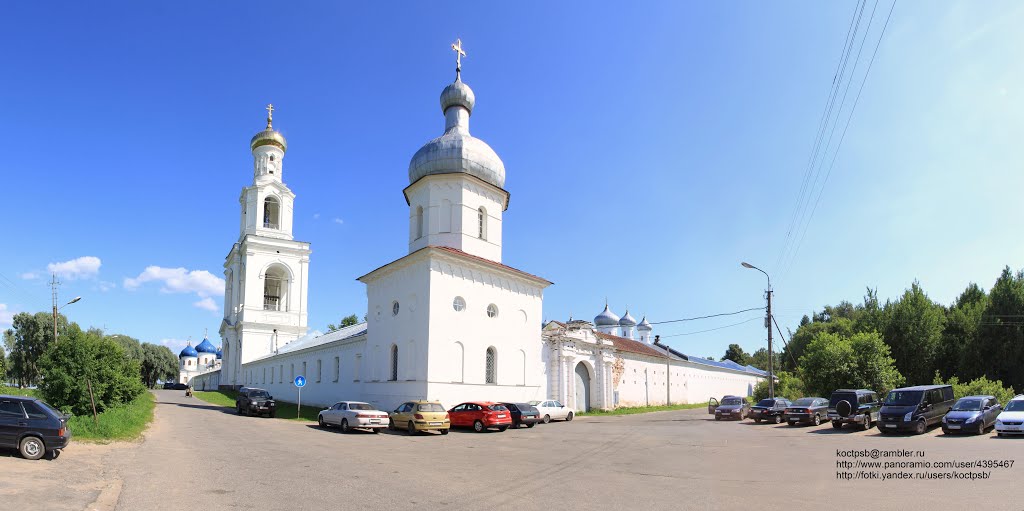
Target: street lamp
{"type": "Point", "coordinates": [55, 309]}
{"type": "Point", "coordinates": [768, 323]}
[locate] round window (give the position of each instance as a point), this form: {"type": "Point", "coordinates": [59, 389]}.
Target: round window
{"type": "Point", "coordinates": [394, 309]}
{"type": "Point", "coordinates": [492, 311]}
{"type": "Point", "coordinates": [459, 304]}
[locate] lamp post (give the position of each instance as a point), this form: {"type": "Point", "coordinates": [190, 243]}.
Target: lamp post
{"type": "Point", "coordinates": [768, 323]}
{"type": "Point", "coordinates": [55, 309]}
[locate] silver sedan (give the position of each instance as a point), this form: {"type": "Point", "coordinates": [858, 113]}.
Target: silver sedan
{"type": "Point", "coordinates": [353, 414]}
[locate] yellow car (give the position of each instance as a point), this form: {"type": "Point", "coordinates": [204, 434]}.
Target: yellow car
{"type": "Point", "coordinates": [414, 416]}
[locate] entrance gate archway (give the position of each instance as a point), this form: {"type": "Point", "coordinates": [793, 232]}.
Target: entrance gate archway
{"type": "Point", "coordinates": [582, 387]}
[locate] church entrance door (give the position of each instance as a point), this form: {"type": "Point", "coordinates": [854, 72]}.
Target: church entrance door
{"type": "Point", "coordinates": [582, 388]}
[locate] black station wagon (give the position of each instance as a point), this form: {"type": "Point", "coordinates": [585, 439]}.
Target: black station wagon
{"type": "Point", "coordinates": [32, 427]}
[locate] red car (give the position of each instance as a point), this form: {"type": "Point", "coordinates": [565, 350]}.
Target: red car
{"type": "Point", "coordinates": [481, 415]}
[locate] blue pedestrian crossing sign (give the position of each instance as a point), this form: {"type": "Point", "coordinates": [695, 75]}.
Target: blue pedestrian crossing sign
{"type": "Point", "coordinates": [300, 381]}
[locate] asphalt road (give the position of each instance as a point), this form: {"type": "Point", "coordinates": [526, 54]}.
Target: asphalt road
{"type": "Point", "coordinates": [199, 455]}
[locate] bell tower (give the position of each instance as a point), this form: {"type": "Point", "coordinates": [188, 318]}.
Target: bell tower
{"type": "Point", "coordinates": [266, 273]}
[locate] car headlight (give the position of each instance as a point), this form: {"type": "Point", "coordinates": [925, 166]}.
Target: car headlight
{"type": "Point", "coordinates": [908, 416]}
{"type": "Point", "coordinates": [999, 422]}
{"type": "Point", "coordinates": [969, 419]}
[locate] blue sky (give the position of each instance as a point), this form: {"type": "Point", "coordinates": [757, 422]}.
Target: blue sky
{"type": "Point", "coordinates": [670, 138]}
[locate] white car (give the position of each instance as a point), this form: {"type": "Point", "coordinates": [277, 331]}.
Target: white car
{"type": "Point", "coordinates": [353, 414]}
{"type": "Point", "coordinates": [552, 410]}
{"type": "Point", "coordinates": [1011, 420]}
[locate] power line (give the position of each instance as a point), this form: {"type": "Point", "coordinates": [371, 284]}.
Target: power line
{"type": "Point", "coordinates": [713, 329]}
{"type": "Point", "coordinates": [784, 343]}
{"type": "Point", "coordinates": [705, 317]}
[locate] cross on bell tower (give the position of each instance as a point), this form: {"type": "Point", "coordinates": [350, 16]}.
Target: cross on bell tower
{"type": "Point", "coordinates": [459, 53]}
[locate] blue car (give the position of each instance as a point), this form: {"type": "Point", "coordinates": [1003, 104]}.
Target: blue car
{"type": "Point", "coordinates": [973, 414]}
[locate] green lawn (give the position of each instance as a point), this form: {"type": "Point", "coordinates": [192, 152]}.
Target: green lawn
{"type": "Point", "coordinates": [630, 410]}
{"type": "Point", "coordinates": [15, 391]}
{"type": "Point", "coordinates": [285, 410]}
{"type": "Point", "coordinates": [125, 422]}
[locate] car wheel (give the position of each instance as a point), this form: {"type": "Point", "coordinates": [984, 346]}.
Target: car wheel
{"type": "Point", "coordinates": [757, 421]}
{"type": "Point", "coordinates": [344, 426]}
{"type": "Point", "coordinates": [239, 408]}
{"type": "Point", "coordinates": [478, 426]}
{"type": "Point", "coordinates": [817, 421]}
{"type": "Point", "coordinates": [568, 417]}
{"type": "Point", "coordinates": [792, 423]}
{"type": "Point", "coordinates": [867, 423]}
{"type": "Point", "coordinates": [836, 424]}
{"type": "Point", "coordinates": [411, 428]}
{"type": "Point", "coordinates": [375, 430]}
{"type": "Point", "coordinates": [547, 419]}
{"type": "Point", "coordinates": [981, 427]}
{"type": "Point", "coordinates": [920, 427]}
{"type": "Point", "coordinates": [778, 419]}
{"type": "Point", "coordinates": [391, 424]}
{"type": "Point", "coordinates": [502, 428]}
{"type": "Point", "coordinates": [717, 418]}
{"type": "Point", "coordinates": [320, 420]}
{"type": "Point", "coordinates": [444, 431]}
{"type": "Point", "coordinates": [530, 425]}
{"type": "Point", "coordinates": [32, 448]}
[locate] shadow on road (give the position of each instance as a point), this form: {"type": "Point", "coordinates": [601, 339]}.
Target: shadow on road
{"type": "Point", "coordinates": [222, 409]}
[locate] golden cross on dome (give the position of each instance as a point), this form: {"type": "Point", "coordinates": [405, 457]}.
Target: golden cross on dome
{"type": "Point", "coordinates": [270, 115]}
{"type": "Point", "coordinates": [459, 53]}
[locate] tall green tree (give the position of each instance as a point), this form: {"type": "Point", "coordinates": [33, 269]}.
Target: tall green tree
{"type": "Point", "coordinates": [735, 353]}
{"type": "Point", "coordinates": [158, 363]}
{"type": "Point", "coordinates": [913, 332]}
{"type": "Point", "coordinates": [3, 366]}
{"type": "Point", "coordinates": [833, 361]}
{"type": "Point", "coordinates": [759, 359]}
{"type": "Point", "coordinates": [798, 341]}
{"type": "Point", "coordinates": [26, 340]}
{"type": "Point", "coordinates": [960, 336]}
{"type": "Point", "coordinates": [345, 321]}
{"type": "Point", "coordinates": [998, 352]}
{"type": "Point", "coordinates": [79, 359]}
{"type": "Point", "coordinates": [131, 346]}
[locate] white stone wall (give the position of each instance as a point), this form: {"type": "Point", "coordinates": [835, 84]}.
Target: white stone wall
{"type": "Point", "coordinates": [450, 203]}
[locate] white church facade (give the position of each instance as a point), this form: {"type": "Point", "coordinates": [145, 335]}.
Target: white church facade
{"type": "Point", "coordinates": [448, 321]}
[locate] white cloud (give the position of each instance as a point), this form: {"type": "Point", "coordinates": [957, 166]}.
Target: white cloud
{"type": "Point", "coordinates": [338, 221]}
{"type": "Point", "coordinates": [179, 280]}
{"type": "Point", "coordinates": [83, 267]}
{"type": "Point", "coordinates": [176, 345]}
{"type": "Point", "coordinates": [29, 275]}
{"type": "Point", "coordinates": [107, 286]}
{"type": "Point", "coordinates": [207, 304]}
{"type": "Point", "coordinates": [316, 216]}
{"type": "Point", "coordinates": [6, 316]}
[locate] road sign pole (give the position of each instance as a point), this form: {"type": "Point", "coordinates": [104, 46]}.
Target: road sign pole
{"type": "Point", "coordinates": [298, 409]}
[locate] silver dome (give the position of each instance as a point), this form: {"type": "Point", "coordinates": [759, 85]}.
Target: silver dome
{"type": "Point", "coordinates": [627, 320]}
{"type": "Point", "coordinates": [644, 325]}
{"type": "Point", "coordinates": [606, 318]}
{"type": "Point", "coordinates": [457, 151]}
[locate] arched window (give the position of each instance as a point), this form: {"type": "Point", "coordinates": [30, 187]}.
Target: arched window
{"type": "Point", "coordinates": [393, 376]}
{"type": "Point", "coordinates": [481, 219]}
{"type": "Point", "coordinates": [419, 222]}
{"type": "Point", "coordinates": [491, 369]}
{"type": "Point", "coordinates": [271, 213]}
{"type": "Point", "coordinates": [275, 288]}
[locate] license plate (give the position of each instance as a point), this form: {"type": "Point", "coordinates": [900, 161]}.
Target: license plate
{"type": "Point", "coordinates": [501, 416]}
{"type": "Point", "coordinates": [374, 421]}
{"type": "Point", "coordinates": [890, 425]}
{"type": "Point", "coordinates": [953, 426]}
{"type": "Point", "coordinates": [435, 423]}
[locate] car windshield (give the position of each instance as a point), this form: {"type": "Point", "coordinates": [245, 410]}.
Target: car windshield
{"type": "Point", "coordinates": [903, 397]}
{"type": "Point", "coordinates": [430, 407]}
{"type": "Point", "coordinates": [1015, 406]}
{"type": "Point", "coordinates": [360, 406]}
{"type": "Point", "coordinates": [804, 401]}
{"type": "Point", "coordinates": [731, 401]}
{"type": "Point", "coordinates": [971, 405]}
{"type": "Point", "coordinates": [766, 402]}
{"type": "Point", "coordinates": [258, 393]}
{"type": "Point", "coordinates": [498, 408]}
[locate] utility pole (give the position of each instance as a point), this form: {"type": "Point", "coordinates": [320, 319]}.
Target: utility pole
{"type": "Point", "coordinates": [768, 323]}
{"type": "Point", "coordinates": [53, 291]}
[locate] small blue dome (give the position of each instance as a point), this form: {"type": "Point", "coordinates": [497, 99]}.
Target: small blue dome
{"type": "Point", "coordinates": [206, 347]}
{"type": "Point", "coordinates": [220, 354]}
{"type": "Point", "coordinates": [606, 318]}
{"type": "Point", "coordinates": [189, 351]}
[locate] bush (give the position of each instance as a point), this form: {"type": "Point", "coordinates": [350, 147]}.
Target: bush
{"type": "Point", "coordinates": [981, 386]}
{"type": "Point", "coordinates": [862, 360]}
{"type": "Point", "coordinates": [789, 386]}
{"type": "Point", "coordinates": [70, 364]}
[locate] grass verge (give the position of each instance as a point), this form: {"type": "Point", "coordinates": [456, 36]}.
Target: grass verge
{"type": "Point", "coordinates": [125, 422]}
{"type": "Point", "coordinates": [285, 410]}
{"type": "Point", "coordinates": [631, 410]}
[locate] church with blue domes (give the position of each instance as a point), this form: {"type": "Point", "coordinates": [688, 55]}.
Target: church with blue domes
{"type": "Point", "coordinates": [201, 359]}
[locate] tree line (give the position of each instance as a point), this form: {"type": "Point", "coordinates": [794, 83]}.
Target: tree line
{"type": "Point", "coordinates": [117, 367]}
{"type": "Point", "coordinates": [913, 340]}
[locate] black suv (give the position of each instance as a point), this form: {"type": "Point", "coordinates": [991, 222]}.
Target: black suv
{"type": "Point", "coordinates": [915, 408]}
{"type": "Point", "coordinates": [860, 406]}
{"type": "Point", "coordinates": [253, 401]}
{"type": "Point", "coordinates": [32, 426]}
{"type": "Point", "coordinates": [769, 410]}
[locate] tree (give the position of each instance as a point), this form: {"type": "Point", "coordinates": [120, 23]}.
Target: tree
{"type": "Point", "coordinates": [978, 387]}
{"type": "Point", "coordinates": [158, 363]}
{"type": "Point", "coordinates": [790, 386]}
{"type": "Point", "coordinates": [798, 341]}
{"type": "Point", "coordinates": [80, 358]}
{"type": "Point", "coordinates": [735, 353]}
{"type": "Point", "coordinates": [998, 350]}
{"type": "Point", "coordinates": [345, 321]}
{"type": "Point", "coordinates": [26, 340]}
{"type": "Point", "coordinates": [960, 336]}
{"type": "Point", "coordinates": [131, 346]}
{"type": "Point", "coordinates": [760, 359]}
{"type": "Point", "coordinates": [914, 333]}
{"type": "Point", "coordinates": [3, 366]}
{"type": "Point", "coordinates": [833, 361]}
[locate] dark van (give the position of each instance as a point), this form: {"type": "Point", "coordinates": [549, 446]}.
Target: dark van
{"type": "Point", "coordinates": [915, 408]}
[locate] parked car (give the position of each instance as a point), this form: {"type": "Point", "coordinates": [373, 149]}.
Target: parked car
{"type": "Point", "coordinates": [731, 407]}
{"type": "Point", "coordinates": [854, 406]}
{"type": "Point", "coordinates": [1011, 420]}
{"type": "Point", "coordinates": [32, 427]}
{"type": "Point", "coordinates": [971, 413]}
{"type": "Point", "coordinates": [552, 410]}
{"type": "Point", "coordinates": [175, 386]}
{"type": "Point", "coordinates": [353, 414]}
{"type": "Point", "coordinates": [523, 414]}
{"type": "Point", "coordinates": [915, 408]}
{"type": "Point", "coordinates": [481, 415]}
{"type": "Point", "coordinates": [168, 385]}
{"type": "Point", "coordinates": [253, 401]}
{"type": "Point", "coordinates": [770, 409]}
{"type": "Point", "coordinates": [415, 416]}
{"type": "Point", "coordinates": [812, 410]}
